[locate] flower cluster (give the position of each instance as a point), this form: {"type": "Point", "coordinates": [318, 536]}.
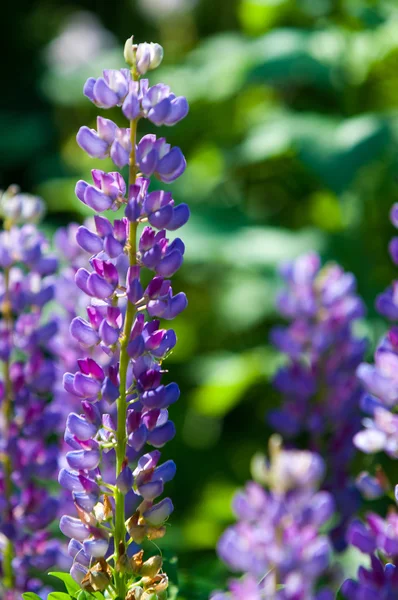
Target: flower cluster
{"type": "Point", "coordinates": [276, 541]}
{"type": "Point", "coordinates": [378, 537]}
{"type": "Point", "coordinates": [319, 386]}
{"type": "Point", "coordinates": [380, 380]}
{"type": "Point", "coordinates": [119, 382]}
{"type": "Point", "coordinates": [27, 455]}
{"type": "Point", "coordinates": [380, 581]}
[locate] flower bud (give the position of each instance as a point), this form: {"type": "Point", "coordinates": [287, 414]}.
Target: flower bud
{"type": "Point", "coordinates": [20, 208]}
{"type": "Point", "coordinates": [148, 57]}
{"type": "Point", "coordinates": [151, 566]}
{"type": "Point", "coordinates": [129, 51]}
{"type": "Point", "coordinates": [124, 481]}
{"type": "Point", "coordinates": [149, 596]}
{"type": "Point", "coordinates": [135, 594]}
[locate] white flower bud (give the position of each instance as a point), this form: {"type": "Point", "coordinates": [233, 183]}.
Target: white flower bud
{"type": "Point", "coordinates": [129, 51]}
{"type": "Point", "coordinates": [21, 208]}
{"type": "Point", "coordinates": [149, 57]}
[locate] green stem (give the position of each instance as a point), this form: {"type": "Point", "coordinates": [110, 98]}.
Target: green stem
{"type": "Point", "coordinates": [9, 577]}
{"type": "Point", "coordinates": [120, 526]}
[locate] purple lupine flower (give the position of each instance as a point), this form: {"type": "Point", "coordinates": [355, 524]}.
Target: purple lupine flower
{"type": "Point", "coordinates": [380, 431]}
{"type": "Point", "coordinates": [378, 582]}
{"type": "Point", "coordinates": [378, 536]}
{"type": "Point", "coordinates": [319, 385]}
{"type": "Point", "coordinates": [156, 157]}
{"type": "Point", "coordinates": [28, 379]}
{"type": "Point", "coordinates": [116, 483]}
{"type": "Point", "coordinates": [119, 88]}
{"type": "Point", "coordinates": [276, 541]}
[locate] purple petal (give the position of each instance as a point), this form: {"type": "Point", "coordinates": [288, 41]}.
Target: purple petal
{"type": "Point", "coordinates": [171, 166]}
{"type": "Point", "coordinates": [178, 110]}
{"type": "Point", "coordinates": [81, 428]}
{"type": "Point", "coordinates": [71, 482]}
{"type": "Point", "coordinates": [158, 514]}
{"type": "Point", "coordinates": [99, 287]}
{"type": "Point", "coordinates": [80, 189]}
{"type": "Point", "coordinates": [96, 547]}
{"type": "Point", "coordinates": [96, 199]}
{"type": "Point", "coordinates": [103, 95]}
{"type": "Point", "coordinates": [159, 436]}
{"type": "Point", "coordinates": [162, 217]}
{"type": "Point", "coordinates": [78, 572]}
{"type": "Point", "coordinates": [88, 240]}
{"type": "Point", "coordinates": [82, 331]}
{"type": "Point", "coordinates": [88, 89]}
{"type": "Point", "coordinates": [89, 140]}
{"type": "Point", "coordinates": [83, 459]}
{"type": "Point", "coordinates": [73, 528]}
{"type": "Point", "coordinates": [119, 155]}
{"type": "Point", "coordinates": [169, 264]}
{"type": "Point", "coordinates": [106, 129]}
{"type": "Point", "coordinates": [181, 214]}
{"type": "Point", "coordinates": [131, 106]}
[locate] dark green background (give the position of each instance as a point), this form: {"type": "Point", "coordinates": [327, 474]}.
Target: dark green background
{"type": "Point", "coordinates": [291, 144]}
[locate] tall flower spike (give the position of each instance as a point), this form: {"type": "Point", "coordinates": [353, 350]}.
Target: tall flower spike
{"type": "Point", "coordinates": [319, 387]}
{"type": "Point", "coordinates": [27, 420]}
{"type": "Point", "coordinates": [124, 402]}
{"type": "Point", "coordinates": [276, 542]}
{"type": "Point", "coordinates": [378, 536]}
{"type": "Point", "coordinates": [380, 379]}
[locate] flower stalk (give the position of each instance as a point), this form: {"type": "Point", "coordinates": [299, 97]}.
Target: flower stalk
{"type": "Point", "coordinates": [120, 526]}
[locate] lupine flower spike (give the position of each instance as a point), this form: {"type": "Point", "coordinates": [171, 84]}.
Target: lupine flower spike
{"type": "Point", "coordinates": [28, 372]}
{"type": "Point", "coordinates": [378, 536]}
{"type": "Point", "coordinates": [124, 403]}
{"type": "Point", "coordinates": [320, 390]}
{"type": "Point", "coordinates": [276, 542]}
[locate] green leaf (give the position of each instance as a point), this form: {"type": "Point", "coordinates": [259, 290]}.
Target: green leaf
{"type": "Point", "coordinates": [30, 596]}
{"type": "Point", "coordinates": [291, 55]}
{"type": "Point", "coordinates": [225, 378]}
{"type": "Point", "coordinates": [71, 586]}
{"type": "Point", "coordinates": [84, 595]}
{"type": "Point", "coordinates": [59, 596]}
{"type": "Point", "coordinates": [323, 144]}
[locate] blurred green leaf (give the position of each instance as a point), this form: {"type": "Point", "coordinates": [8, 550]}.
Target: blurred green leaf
{"type": "Point", "coordinates": [224, 380]}
{"type": "Point", "coordinates": [214, 71]}
{"type": "Point", "coordinates": [294, 55]}
{"type": "Point", "coordinates": [59, 196]}
{"type": "Point", "coordinates": [335, 150]}
{"type": "Point", "coordinates": [250, 289]}
{"type": "Point", "coordinates": [66, 87]}
{"type": "Point", "coordinates": [257, 16]}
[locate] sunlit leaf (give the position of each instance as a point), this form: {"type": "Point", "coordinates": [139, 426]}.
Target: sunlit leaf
{"type": "Point", "coordinates": [71, 586]}
{"type": "Point", "coordinates": [334, 150]}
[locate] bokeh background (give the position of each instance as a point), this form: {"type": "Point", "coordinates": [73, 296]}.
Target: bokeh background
{"type": "Point", "coordinates": [291, 144]}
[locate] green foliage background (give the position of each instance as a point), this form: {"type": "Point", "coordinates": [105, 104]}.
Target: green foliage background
{"type": "Point", "coordinates": [291, 144]}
